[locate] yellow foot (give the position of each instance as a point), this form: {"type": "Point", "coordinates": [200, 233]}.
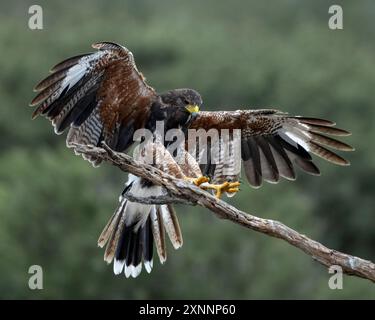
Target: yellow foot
{"type": "Point", "coordinates": [230, 187]}
{"type": "Point", "coordinates": [198, 181]}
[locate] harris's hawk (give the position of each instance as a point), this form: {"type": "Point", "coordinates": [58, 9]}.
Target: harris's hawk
{"type": "Point", "coordinates": [102, 96]}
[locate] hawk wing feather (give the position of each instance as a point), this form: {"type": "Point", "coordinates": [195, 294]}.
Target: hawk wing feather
{"type": "Point", "coordinates": [273, 143]}
{"type": "Point", "coordinates": [99, 95]}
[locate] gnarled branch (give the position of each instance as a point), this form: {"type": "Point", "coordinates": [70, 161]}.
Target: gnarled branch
{"type": "Point", "coordinates": [179, 191]}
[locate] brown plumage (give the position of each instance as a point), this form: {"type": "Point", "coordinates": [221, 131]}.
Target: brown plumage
{"type": "Point", "coordinates": [101, 96]}
{"type": "Point", "coordinates": [106, 83]}
{"type": "Point", "coordinates": [273, 142]}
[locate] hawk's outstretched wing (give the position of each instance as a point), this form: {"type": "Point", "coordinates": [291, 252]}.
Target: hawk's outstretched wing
{"type": "Point", "coordinates": [272, 143]}
{"type": "Point", "coordinates": [100, 96]}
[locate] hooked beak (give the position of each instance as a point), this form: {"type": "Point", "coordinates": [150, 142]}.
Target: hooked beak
{"type": "Point", "coordinates": [192, 108]}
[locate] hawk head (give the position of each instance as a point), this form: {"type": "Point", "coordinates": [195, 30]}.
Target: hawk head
{"type": "Point", "coordinates": [180, 107]}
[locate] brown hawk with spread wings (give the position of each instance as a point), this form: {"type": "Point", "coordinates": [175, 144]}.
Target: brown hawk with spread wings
{"type": "Point", "coordinates": [102, 96]}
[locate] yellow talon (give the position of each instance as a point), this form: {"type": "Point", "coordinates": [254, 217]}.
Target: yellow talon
{"type": "Point", "coordinates": [198, 181]}
{"type": "Point", "coordinates": [230, 187]}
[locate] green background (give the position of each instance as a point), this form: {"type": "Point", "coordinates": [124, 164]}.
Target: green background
{"type": "Point", "coordinates": [237, 54]}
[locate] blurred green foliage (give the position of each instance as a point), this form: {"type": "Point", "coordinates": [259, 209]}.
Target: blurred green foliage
{"type": "Point", "coordinates": [238, 54]}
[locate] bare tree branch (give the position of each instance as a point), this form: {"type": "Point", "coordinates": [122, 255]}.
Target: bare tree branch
{"type": "Point", "coordinates": [179, 191]}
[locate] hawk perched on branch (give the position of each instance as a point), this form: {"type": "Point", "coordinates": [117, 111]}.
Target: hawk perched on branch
{"type": "Point", "coordinates": [102, 96]}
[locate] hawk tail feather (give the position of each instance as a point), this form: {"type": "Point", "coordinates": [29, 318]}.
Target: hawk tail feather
{"type": "Point", "coordinates": [133, 230]}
